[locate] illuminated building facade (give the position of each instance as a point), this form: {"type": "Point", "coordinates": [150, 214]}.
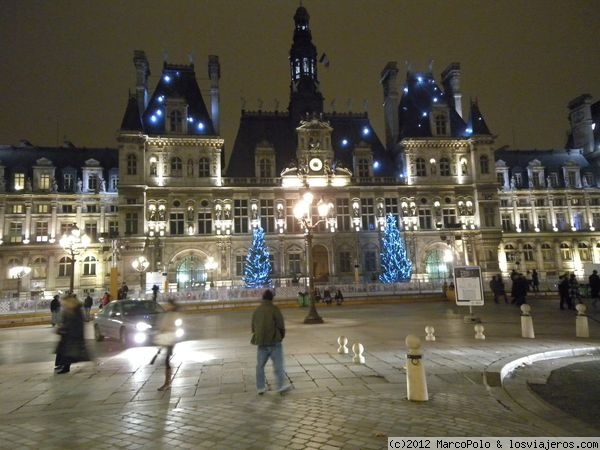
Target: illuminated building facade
{"type": "Point", "coordinates": [164, 192]}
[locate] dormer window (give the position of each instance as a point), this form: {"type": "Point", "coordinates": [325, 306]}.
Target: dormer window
{"type": "Point", "coordinates": [264, 168]}
{"type": "Point", "coordinates": [44, 181]}
{"type": "Point", "coordinates": [363, 168]}
{"type": "Point", "coordinates": [176, 121]}
{"type": "Point", "coordinates": [441, 124]}
{"type": "Point", "coordinates": [19, 181]}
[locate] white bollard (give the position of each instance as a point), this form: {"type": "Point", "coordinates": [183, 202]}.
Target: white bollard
{"type": "Point", "coordinates": [429, 330]}
{"type": "Point", "coordinates": [479, 331]}
{"type": "Point", "coordinates": [416, 382]}
{"type": "Point", "coordinates": [582, 329]}
{"type": "Point", "coordinates": [343, 345]}
{"type": "Point", "coordinates": [526, 322]}
{"type": "Point", "coordinates": [358, 350]}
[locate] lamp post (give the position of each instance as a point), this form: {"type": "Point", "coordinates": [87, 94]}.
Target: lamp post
{"type": "Point", "coordinates": [74, 242]}
{"type": "Point", "coordinates": [210, 265]}
{"type": "Point", "coordinates": [303, 212]}
{"type": "Point", "coordinates": [19, 272]}
{"type": "Point", "coordinates": [140, 265]}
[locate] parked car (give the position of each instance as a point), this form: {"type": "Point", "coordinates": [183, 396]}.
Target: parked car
{"type": "Point", "coordinates": [130, 321]}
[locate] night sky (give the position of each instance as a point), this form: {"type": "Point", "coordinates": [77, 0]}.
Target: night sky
{"type": "Point", "coordinates": [67, 65]}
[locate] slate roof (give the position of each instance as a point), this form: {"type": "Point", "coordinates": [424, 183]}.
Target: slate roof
{"type": "Point", "coordinates": [476, 124]}
{"type": "Point", "coordinates": [131, 119]}
{"type": "Point", "coordinates": [420, 94]}
{"type": "Point", "coordinates": [22, 158]}
{"type": "Point", "coordinates": [177, 81]}
{"type": "Point", "coordinates": [277, 129]}
{"type": "Point", "coordinates": [551, 160]}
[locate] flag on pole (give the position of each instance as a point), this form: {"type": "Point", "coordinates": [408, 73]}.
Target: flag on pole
{"type": "Point", "coordinates": [324, 60]}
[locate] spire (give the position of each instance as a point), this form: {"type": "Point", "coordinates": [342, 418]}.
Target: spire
{"type": "Point", "coordinates": [305, 96]}
{"type": "Point", "coordinates": [131, 120]}
{"type": "Point", "coordinates": [476, 124]}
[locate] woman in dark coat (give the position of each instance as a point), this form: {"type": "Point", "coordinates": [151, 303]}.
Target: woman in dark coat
{"type": "Point", "coordinates": [71, 347]}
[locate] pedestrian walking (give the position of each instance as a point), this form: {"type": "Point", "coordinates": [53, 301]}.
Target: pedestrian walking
{"type": "Point", "coordinates": [167, 338]}
{"type": "Point", "coordinates": [87, 307]}
{"type": "Point", "coordinates": [268, 330]}
{"type": "Point", "coordinates": [563, 291]}
{"type": "Point", "coordinates": [55, 310]}
{"type": "Point", "coordinates": [520, 288]}
{"type": "Point", "coordinates": [574, 295]}
{"type": "Point", "coordinates": [339, 297]}
{"type": "Point", "coordinates": [594, 281]}
{"type": "Point", "coordinates": [327, 296]}
{"type": "Point", "coordinates": [535, 281]}
{"type": "Point", "coordinates": [494, 288]}
{"type": "Point", "coordinates": [71, 346]}
{"type": "Point", "coordinates": [124, 291]}
{"type": "Point", "coordinates": [500, 289]}
{"type": "Point", "coordinates": [155, 290]}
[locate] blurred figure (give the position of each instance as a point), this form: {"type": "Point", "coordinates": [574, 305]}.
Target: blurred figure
{"type": "Point", "coordinates": [55, 310]}
{"type": "Point", "coordinates": [105, 300]}
{"type": "Point", "coordinates": [166, 338]}
{"type": "Point", "coordinates": [339, 297]}
{"type": "Point", "coordinates": [520, 289]}
{"type": "Point", "coordinates": [594, 280]}
{"type": "Point", "coordinates": [268, 330]}
{"type": "Point", "coordinates": [574, 295]}
{"type": "Point", "coordinates": [155, 289]}
{"type": "Point", "coordinates": [535, 281]}
{"type": "Point", "coordinates": [500, 289]}
{"type": "Point", "coordinates": [87, 307]}
{"type": "Point", "coordinates": [327, 296]}
{"type": "Point", "coordinates": [124, 291]}
{"type": "Point", "coordinates": [563, 291]}
{"type": "Point", "coordinates": [71, 347]}
{"type": "Point", "coordinates": [494, 288]}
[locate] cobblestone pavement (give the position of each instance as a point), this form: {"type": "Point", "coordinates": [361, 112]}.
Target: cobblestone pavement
{"type": "Point", "coordinates": [114, 403]}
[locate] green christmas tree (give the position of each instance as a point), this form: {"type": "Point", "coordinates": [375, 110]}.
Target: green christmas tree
{"type": "Point", "coordinates": [257, 272]}
{"type": "Point", "coordinates": [395, 265]}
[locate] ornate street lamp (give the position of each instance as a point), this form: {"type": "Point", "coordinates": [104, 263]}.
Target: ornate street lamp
{"type": "Point", "coordinates": [303, 212]}
{"type": "Point", "coordinates": [210, 265]}
{"type": "Point", "coordinates": [74, 242]}
{"type": "Point", "coordinates": [19, 272]}
{"type": "Point", "coordinates": [140, 265]}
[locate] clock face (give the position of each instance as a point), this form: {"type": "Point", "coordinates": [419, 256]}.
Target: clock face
{"type": "Point", "coordinates": [315, 164]}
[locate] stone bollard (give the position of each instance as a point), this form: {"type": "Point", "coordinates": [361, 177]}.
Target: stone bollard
{"type": "Point", "coordinates": [343, 345]}
{"type": "Point", "coordinates": [479, 331]}
{"type": "Point", "coordinates": [416, 382]}
{"type": "Point", "coordinates": [429, 330]}
{"type": "Point", "coordinates": [358, 350]}
{"type": "Point", "coordinates": [526, 322]}
{"type": "Point", "coordinates": [582, 329]}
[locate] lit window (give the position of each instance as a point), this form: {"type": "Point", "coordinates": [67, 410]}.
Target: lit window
{"type": "Point", "coordinates": [89, 266]}
{"type": "Point", "coordinates": [19, 181]}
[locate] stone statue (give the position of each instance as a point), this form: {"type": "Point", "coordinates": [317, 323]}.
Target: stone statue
{"type": "Point", "coordinates": [102, 185]}
{"type": "Point", "coordinates": [79, 185]}
{"type": "Point", "coordinates": [28, 187]}
{"type": "Point", "coordinates": [512, 183]}
{"type": "Point", "coordinates": [54, 185]}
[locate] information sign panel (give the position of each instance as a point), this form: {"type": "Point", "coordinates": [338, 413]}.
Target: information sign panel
{"type": "Point", "coordinates": [468, 286]}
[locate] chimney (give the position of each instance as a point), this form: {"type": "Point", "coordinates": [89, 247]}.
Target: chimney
{"type": "Point", "coordinates": [142, 71]}
{"type": "Point", "coordinates": [214, 73]}
{"type": "Point", "coordinates": [391, 100]}
{"type": "Point", "coordinates": [451, 83]}
{"type": "Point", "coordinates": [580, 117]}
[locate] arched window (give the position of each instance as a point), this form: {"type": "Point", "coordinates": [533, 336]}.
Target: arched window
{"type": "Point", "coordinates": [190, 168]}
{"type": "Point", "coordinates": [509, 250]}
{"type": "Point", "coordinates": [484, 164]}
{"type": "Point", "coordinates": [363, 168]}
{"type": "Point", "coordinates": [176, 166]}
{"type": "Point", "coordinates": [89, 265]}
{"type": "Point", "coordinates": [175, 121]}
{"type": "Point", "coordinates": [64, 267]}
{"type": "Point", "coordinates": [528, 252]}
{"type": "Point", "coordinates": [584, 252]}
{"type": "Point", "coordinates": [421, 170]}
{"type": "Point", "coordinates": [565, 252]}
{"type": "Point", "coordinates": [38, 267]}
{"type": "Point", "coordinates": [444, 167]}
{"type": "Point", "coordinates": [264, 167]}
{"type": "Point", "coordinates": [547, 253]}
{"type": "Point", "coordinates": [131, 164]}
{"type": "Point", "coordinates": [204, 167]}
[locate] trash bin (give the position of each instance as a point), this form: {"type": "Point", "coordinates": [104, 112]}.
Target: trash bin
{"type": "Point", "coordinates": [302, 299]}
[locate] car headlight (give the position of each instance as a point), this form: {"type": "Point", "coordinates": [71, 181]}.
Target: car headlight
{"type": "Point", "coordinates": [178, 322]}
{"type": "Point", "coordinates": [142, 326]}
{"type": "Point", "coordinates": [179, 333]}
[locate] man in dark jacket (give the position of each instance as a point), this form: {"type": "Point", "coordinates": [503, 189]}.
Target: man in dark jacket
{"type": "Point", "coordinates": [55, 310]}
{"type": "Point", "coordinates": [87, 307]}
{"type": "Point", "coordinates": [268, 330]}
{"type": "Point", "coordinates": [594, 280]}
{"type": "Point", "coordinates": [563, 291]}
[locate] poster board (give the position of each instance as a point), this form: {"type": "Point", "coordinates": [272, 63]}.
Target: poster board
{"type": "Point", "coordinates": [468, 286]}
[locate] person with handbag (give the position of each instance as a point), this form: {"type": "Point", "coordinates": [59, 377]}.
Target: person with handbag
{"type": "Point", "coordinates": [71, 346]}
{"type": "Point", "coordinates": [167, 338]}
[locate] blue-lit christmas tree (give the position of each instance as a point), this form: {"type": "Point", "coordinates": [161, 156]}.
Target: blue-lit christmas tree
{"type": "Point", "coordinates": [395, 265]}
{"type": "Point", "coordinates": [257, 272]}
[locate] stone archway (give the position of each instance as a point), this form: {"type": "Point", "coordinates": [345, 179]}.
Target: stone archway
{"type": "Point", "coordinates": [320, 258]}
